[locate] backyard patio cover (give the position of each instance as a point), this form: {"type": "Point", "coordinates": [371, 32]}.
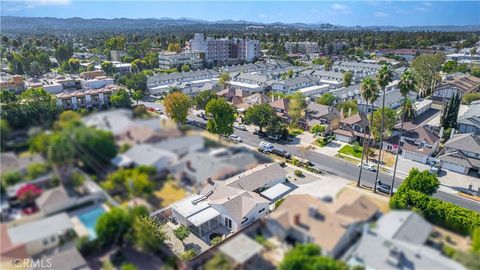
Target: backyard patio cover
{"type": "Point", "coordinates": [275, 191]}
{"type": "Point", "coordinates": [203, 216]}
{"type": "Point", "coordinates": [241, 248]}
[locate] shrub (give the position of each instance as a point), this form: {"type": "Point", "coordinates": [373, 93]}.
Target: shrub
{"type": "Point", "coordinates": [128, 266]}
{"type": "Point", "coordinates": [298, 173]}
{"type": "Point", "coordinates": [11, 178]}
{"type": "Point", "coordinates": [318, 128]}
{"type": "Point", "coordinates": [35, 170]}
{"type": "Point", "coordinates": [216, 240]}
{"type": "Point", "coordinates": [77, 179]}
{"type": "Point", "coordinates": [188, 255]}
{"type": "Point", "coordinates": [86, 246]}
{"type": "Point", "coordinates": [181, 232]}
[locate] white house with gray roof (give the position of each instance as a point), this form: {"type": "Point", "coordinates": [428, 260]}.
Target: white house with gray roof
{"type": "Point", "coordinates": [469, 121]}
{"type": "Point", "coordinates": [397, 242]}
{"type": "Point", "coordinates": [462, 154]}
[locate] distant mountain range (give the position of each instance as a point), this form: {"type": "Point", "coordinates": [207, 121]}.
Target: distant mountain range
{"type": "Point", "coordinates": [26, 24]}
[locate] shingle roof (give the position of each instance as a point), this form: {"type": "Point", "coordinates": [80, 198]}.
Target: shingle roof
{"type": "Point", "coordinates": [465, 142]}
{"type": "Point", "coordinates": [404, 225]}
{"type": "Point", "coordinates": [256, 177]}
{"type": "Point", "coordinates": [39, 229]}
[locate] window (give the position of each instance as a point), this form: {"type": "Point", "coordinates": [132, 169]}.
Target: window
{"type": "Point", "coordinates": [45, 242]}
{"type": "Point", "coordinates": [245, 220]}
{"type": "Point", "coordinates": [228, 222]}
{"type": "Point", "coordinates": [261, 210]}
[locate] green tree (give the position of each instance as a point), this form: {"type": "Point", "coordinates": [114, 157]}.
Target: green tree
{"type": "Point", "coordinates": [384, 77]}
{"type": "Point", "coordinates": [296, 110]}
{"type": "Point", "coordinates": [115, 43]}
{"type": "Point", "coordinates": [177, 106]}
{"type": "Point", "coordinates": [348, 107]}
{"type": "Point", "coordinates": [174, 47]}
{"type": "Point", "coordinates": [138, 65]}
{"type": "Point", "coordinates": [182, 232]}
{"type": "Point", "coordinates": [128, 266]}
{"type": "Point", "coordinates": [219, 262]}
{"type": "Point", "coordinates": [406, 84]}
{"type": "Point", "coordinates": [120, 99]}
{"type": "Point", "coordinates": [185, 68]}
{"type": "Point", "coordinates": [426, 68]}
{"type": "Point", "coordinates": [475, 71]}
{"type": "Point", "coordinates": [388, 122]}
{"type": "Point", "coordinates": [467, 99]}
{"type": "Point", "coordinates": [35, 170]}
{"type": "Point", "coordinates": [135, 181]}
{"type": "Point", "coordinates": [108, 67]}
{"type": "Point", "coordinates": [326, 99]}
{"type": "Point", "coordinates": [290, 73]}
{"type": "Point", "coordinates": [450, 66]}
{"type": "Point", "coordinates": [149, 233]}
{"type": "Point", "coordinates": [327, 63]}
{"type": "Point", "coordinates": [5, 131]}
{"type": "Point", "coordinates": [421, 181]}
{"type": "Point", "coordinates": [347, 78]}
{"type": "Point", "coordinates": [112, 226]}
{"type": "Point", "coordinates": [308, 257]}
{"type": "Point", "coordinates": [448, 119]}
{"type": "Point", "coordinates": [260, 115]}
{"type": "Point", "coordinates": [317, 128]}
{"type": "Point", "coordinates": [63, 52]}
{"type": "Point", "coordinates": [201, 99]}
{"type": "Point", "coordinates": [188, 254]}
{"type": "Point", "coordinates": [369, 92]}
{"type": "Point", "coordinates": [476, 240]}
{"type": "Point", "coordinates": [137, 95]}
{"type": "Point", "coordinates": [224, 79]}
{"type": "Point", "coordinates": [222, 117]}
{"type": "Point", "coordinates": [74, 64]}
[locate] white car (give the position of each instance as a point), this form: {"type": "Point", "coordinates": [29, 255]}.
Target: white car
{"type": "Point", "coordinates": [264, 146]}
{"type": "Point", "coordinates": [240, 126]}
{"type": "Point", "coordinates": [235, 138]}
{"type": "Point", "coordinates": [369, 167]}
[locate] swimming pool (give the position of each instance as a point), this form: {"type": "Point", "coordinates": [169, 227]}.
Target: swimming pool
{"type": "Point", "coordinates": [89, 219]}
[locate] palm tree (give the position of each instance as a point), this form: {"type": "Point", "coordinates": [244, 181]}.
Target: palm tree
{"type": "Point", "coordinates": [384, 77]}
{"type": "Point", "coordinates": [406, 84]}
{"type": "Point", "coordinates": [409, 111]}
{"type": "Point", "coordinates": [369, 92]}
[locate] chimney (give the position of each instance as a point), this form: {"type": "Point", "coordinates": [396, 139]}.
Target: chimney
{"type": "Point", "coordinates": [341, 114]}
{"type": "Point", "coordinates": [441, 132]}
{"type": "Point", "coordinates": [452, 133]}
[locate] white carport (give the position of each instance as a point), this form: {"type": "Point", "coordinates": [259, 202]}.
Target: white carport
{"type": "Point", "coordinates": [276, 191]}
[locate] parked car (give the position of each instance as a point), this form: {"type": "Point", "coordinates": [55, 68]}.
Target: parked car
{"type": "Point", "coordinates": [304, 161]}
{"type": "Point", "coordinates": [264, 146]}
{"type": "Point", "coordinates": [240, 126]}
{"type": "Point", "coordinates": [235, 138]}
{"type": "Point", "coordinates": [273, 137]}
{"type": "Point", "coordinates": [158, 110]}
{"type": "Point", "coordinates": [367, 166]}
{"type": "Point", "coordinates": [384, 188]}
{"type": "Point", "coordinates": [259, 133]}
{"type": "Point", "coordinates": [281, 153]}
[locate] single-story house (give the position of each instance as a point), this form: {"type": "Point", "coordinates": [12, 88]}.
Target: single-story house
{"type": "Point", "coordinates": [146, 154]}
{"type": "Point", "coordinates": [182, 145]}
{"type": "Point", "coordinates": [40, 235]}
{"type": "Point", "coordinates": [332, 226]}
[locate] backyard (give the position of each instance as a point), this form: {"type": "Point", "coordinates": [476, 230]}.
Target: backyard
{"type": "Point", "coordinates": [169, 193]}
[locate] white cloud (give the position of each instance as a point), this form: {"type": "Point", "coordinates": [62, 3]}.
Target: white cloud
{"type": "Point", "coordinates": [380, 14]}
{"type": "Point", "coordinates": [339, 7]}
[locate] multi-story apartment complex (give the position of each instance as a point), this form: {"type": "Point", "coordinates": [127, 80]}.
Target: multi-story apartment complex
{"type": "Point", "coordinates": [222, 50]}
{"type": "Point", "coordinates": [92, 98]}
{"type": "Point", "coordinates": [305, 47]}
{"type": "Point", "coordinates": [167, 60]}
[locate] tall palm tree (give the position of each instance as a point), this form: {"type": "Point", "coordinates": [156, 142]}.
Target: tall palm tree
{"type": "Point", "coordinates": [406, 84]}
{"type": "Point", "coordinates": [369, 91]}
{"type": "Point", "coordinates": [409, 111]}
{"type": "Point", "coordinates": [384, 77]}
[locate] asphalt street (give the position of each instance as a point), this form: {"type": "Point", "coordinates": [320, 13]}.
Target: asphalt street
{"type": "Point", "coordinates": [337, 166]}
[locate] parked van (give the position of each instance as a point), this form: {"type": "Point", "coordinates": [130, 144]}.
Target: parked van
{"type": "Point", "coordinates": [264, 146]}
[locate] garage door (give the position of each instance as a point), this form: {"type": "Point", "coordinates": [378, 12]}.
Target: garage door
{"type": "Point", "coordinates": [342, 138]}
{"type": "Point", "coordinates": [453, 167]}
{"type": "Point", "coordinates": [414, 156]}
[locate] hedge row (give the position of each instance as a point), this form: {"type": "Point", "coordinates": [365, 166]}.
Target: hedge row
{"type": "Point", "coordinates": [442, 213]}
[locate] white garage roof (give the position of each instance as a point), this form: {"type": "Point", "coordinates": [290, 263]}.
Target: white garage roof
{"type": "Point", "coordinates": [275, 191]}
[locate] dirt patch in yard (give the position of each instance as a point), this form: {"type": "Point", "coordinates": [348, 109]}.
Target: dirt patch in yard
{"type": "Point", "coordinates": [169, 193]}
{"type": "Point", "coordinates": [382, 202]}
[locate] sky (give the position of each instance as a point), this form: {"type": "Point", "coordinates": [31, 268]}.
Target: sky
{"type": "Point", "coordinates": [347, 13]}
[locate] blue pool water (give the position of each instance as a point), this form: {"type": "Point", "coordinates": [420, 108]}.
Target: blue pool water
{"type": "Point", "coordinates": [89, 219]}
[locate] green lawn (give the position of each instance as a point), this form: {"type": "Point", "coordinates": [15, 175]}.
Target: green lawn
{"type": "Point", "coordinates": [348, 150]}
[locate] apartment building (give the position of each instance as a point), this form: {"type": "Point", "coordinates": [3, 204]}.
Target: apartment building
{"type": "Point", "coordinates": [168, 60]}
{"type": "Point", "coordinates": [222, 50]}
{"type": "Point", "coordinates": [86, 98]}
{"type": "Point", "coordinates": [305, 47]}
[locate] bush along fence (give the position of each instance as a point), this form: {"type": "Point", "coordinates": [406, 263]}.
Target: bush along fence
{"type": "Point", "coordinates": [412, 195]}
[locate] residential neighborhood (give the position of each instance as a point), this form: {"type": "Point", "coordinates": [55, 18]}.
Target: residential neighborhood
{"type": "Point", "coordinates": [244, 142]}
